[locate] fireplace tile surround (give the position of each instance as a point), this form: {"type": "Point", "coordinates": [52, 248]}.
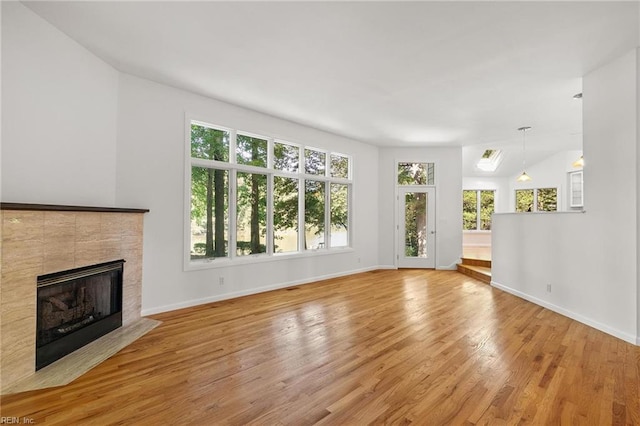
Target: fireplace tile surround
{"type": "Point", "coordinates": [43, 239]}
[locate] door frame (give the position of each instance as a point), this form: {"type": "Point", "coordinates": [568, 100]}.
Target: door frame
{"type": "Point", "coordinates": [430, 261]}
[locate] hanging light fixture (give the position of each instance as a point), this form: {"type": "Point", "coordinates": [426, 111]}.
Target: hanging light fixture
{"type": "Point", "coordinates": [579, 162]}
{"type": "Point", "coordinates": [524, 177]}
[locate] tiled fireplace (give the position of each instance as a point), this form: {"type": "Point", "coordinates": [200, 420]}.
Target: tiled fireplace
{"type": "Point", "coordinates": [76, 307]}
{"type": "Point", "coordinates": [43, 241]}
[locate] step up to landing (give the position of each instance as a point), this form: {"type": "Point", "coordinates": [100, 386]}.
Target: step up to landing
{"type": "Point", "coordinates": [476, 268]}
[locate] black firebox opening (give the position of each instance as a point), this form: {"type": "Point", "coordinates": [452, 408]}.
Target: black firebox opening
{"type": "Point", "coordinates": [76, 307]}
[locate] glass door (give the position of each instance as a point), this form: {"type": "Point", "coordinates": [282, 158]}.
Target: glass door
{"type": "Point", "coordinates": [416, 228]}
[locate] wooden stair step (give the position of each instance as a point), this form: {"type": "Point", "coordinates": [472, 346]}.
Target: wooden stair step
{"type": "Point", "coordinates": [481, 273]}
{"type": "Point", "coordinates": [476, 262]}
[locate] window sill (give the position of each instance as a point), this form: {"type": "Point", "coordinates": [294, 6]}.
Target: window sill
{"type": "Point", "coordinates": [541, 213]}
{"type": "Point", "coordinates": [225, 262]}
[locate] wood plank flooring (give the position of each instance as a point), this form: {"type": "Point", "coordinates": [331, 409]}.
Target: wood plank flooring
{"type": "Point", "coordinates": [384, 347]}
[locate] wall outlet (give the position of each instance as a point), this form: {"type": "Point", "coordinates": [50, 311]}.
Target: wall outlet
{"type": "Point", "coordinates": [548, 288]}
{"type": "Point", "coordinates": [358, 260]}
{"type": "Point", "coordinates": [221, 280]}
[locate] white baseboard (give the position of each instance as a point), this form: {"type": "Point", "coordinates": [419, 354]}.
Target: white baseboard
{"type": "Point", "coordinates": [451, 267]}
{"type": "Point", "coordinates": [386, 267]}
{"type": "Point", "coordinates": [634, 340]}
{"type": "Point", "coordinates": [233, 295]}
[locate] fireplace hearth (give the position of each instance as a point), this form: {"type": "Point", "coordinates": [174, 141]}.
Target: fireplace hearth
{"type": "Point", "coordinates": [75, 307]}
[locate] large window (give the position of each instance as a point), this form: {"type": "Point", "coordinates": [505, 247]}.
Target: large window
{"type": "Point", "coordinates": [537, 200]}
{"type": "Point", "coordinates": [250, 195]}
{"type": "Point", "coordinates": [477, 208]}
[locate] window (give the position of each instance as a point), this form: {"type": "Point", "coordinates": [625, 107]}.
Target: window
{"type": "Point", "coordinates": [285, 214]}
{"type": "Point", "coordinates": [251, 213]}
{"type": "Point", "coordinates": [314, 162]}
{"type": "Point", "coordinates": [576, 193]}
{"type": "Point", "coordinates": [339, 215]}
{"type": "Point", "coordinates": [490, 160]}
{"type": "Point", "coordinates": [547, 199]}
{"type": "Point", "coordinates": [339, 166]}
{"type": "Point", "coordinates": [314, 202]}
{"type": "Point", "coordinates": [477, 208]}
{"type": "Point", "coordinates": [285, 157]}
{"type": "Point", "coordinates": [251, 151]}
{"type": "Point", "coordinates": [537, 200]}
{"type": "Point", "coordinates": [209, 143]}
{"type": "Point", "coordinates": [416, 174]}
{"type": "Point", "coordinates": [524, 200]}
{"type": "Point", "coordinates": [249, 196]}
{"type": "Point", "coordinates": [209, 213]}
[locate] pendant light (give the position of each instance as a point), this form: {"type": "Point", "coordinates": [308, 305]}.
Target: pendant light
{"type": "Point", "coordinates": [524, 177]}
{"type": "Point", "coordinates": [579, 162]}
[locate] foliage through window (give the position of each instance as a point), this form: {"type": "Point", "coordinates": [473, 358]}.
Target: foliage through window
{"type": "Point", "coordinates": [285, 214]}
{"type": "Point", "coordinates": [416, 174]}
{"type": "Point", "coordinates": [339, 215]}
{"type": "Point", "coordinates": [477, 208]}
{"type": "Point", "coordinates": [547, 199]}
{"type": "Point", "coordinates": [524, 200]}
{"type": "Point", "coordinates": [415, 238]}
{"type": "Point", "coordinates": [537, 200]}
{"type": "Point", "coordinates": [249, 196]}
{"type": "Point", "coordinates": [339, 166]}
{"type": "Point", "coordinates": [286, 157]}
{"type": "Point", "coordinates": [209, 212]}
{"type": "Point", "coordinates": [314, 162]}
{"type": "Point", "coordinates": [314, 202]}
{"type": "Point", "coordinates": [251, 213]}
{"type": "Point", "coordinates": [251, 151]}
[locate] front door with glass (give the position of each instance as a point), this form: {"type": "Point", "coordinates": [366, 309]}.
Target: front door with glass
{"type": "Point", "coordinates": [416, 228]}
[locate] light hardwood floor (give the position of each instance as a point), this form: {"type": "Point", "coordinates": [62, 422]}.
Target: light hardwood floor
{"type": "Point", "coordinates": [384, 347]}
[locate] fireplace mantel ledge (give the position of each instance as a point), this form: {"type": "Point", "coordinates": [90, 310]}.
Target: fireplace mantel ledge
{"type": "Point", "coordinates": [62, 208]}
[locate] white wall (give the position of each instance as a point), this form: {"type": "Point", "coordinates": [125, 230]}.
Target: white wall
{"type": "Point", "coordinates": [548, 173]}
{"type": "Point", "coordinates": [637, 189]}
{"type": "Point", "coordinates": [150, 174]}
{"type": "Point", "coordinates": [1, 102]}
{"type": "Point", "coordinates": [448, 202]}
{"type": "Point", "coordinates": [59, 116]}
{"type": "Point", "coordinates": [590, 259]}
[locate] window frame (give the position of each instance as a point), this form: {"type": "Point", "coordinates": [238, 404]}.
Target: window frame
{"type": "Point", "coordinates": [572, 189]}
{"type": "Point", "coordinates": [535, 200]}
{"type": "Point", "coordinates": [233, 168]}
{"type": "Point", "coordinates": [479, 209]}
{"type": "Point", "coordinates": [426, 185]}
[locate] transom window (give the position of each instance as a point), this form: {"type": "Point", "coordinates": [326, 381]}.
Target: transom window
{"type": "Point", "coordinates": [250, 196]}
{"type": "Point", "coordinates": [416, 174]}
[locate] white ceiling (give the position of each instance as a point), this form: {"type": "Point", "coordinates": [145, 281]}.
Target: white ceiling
{"type": "Point", "coordinates": [386, 73]}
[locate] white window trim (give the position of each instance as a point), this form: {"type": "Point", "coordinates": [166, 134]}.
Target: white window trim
{"type": "Point", "coordinates": [233, 167]}
{"type": "Point", "coordinates": [573, 205]}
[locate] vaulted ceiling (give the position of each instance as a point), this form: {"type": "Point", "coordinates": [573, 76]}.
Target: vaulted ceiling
{"type": "Point", "coordinates": [385, 73]}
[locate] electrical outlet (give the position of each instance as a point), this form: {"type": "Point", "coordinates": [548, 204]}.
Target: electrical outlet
{"type": "Point", "coordinates": [548, 288]}
{"type": "Point", "coordinates": [221, 280]}
{"type": "Point", "coordinates": [358, 260]}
